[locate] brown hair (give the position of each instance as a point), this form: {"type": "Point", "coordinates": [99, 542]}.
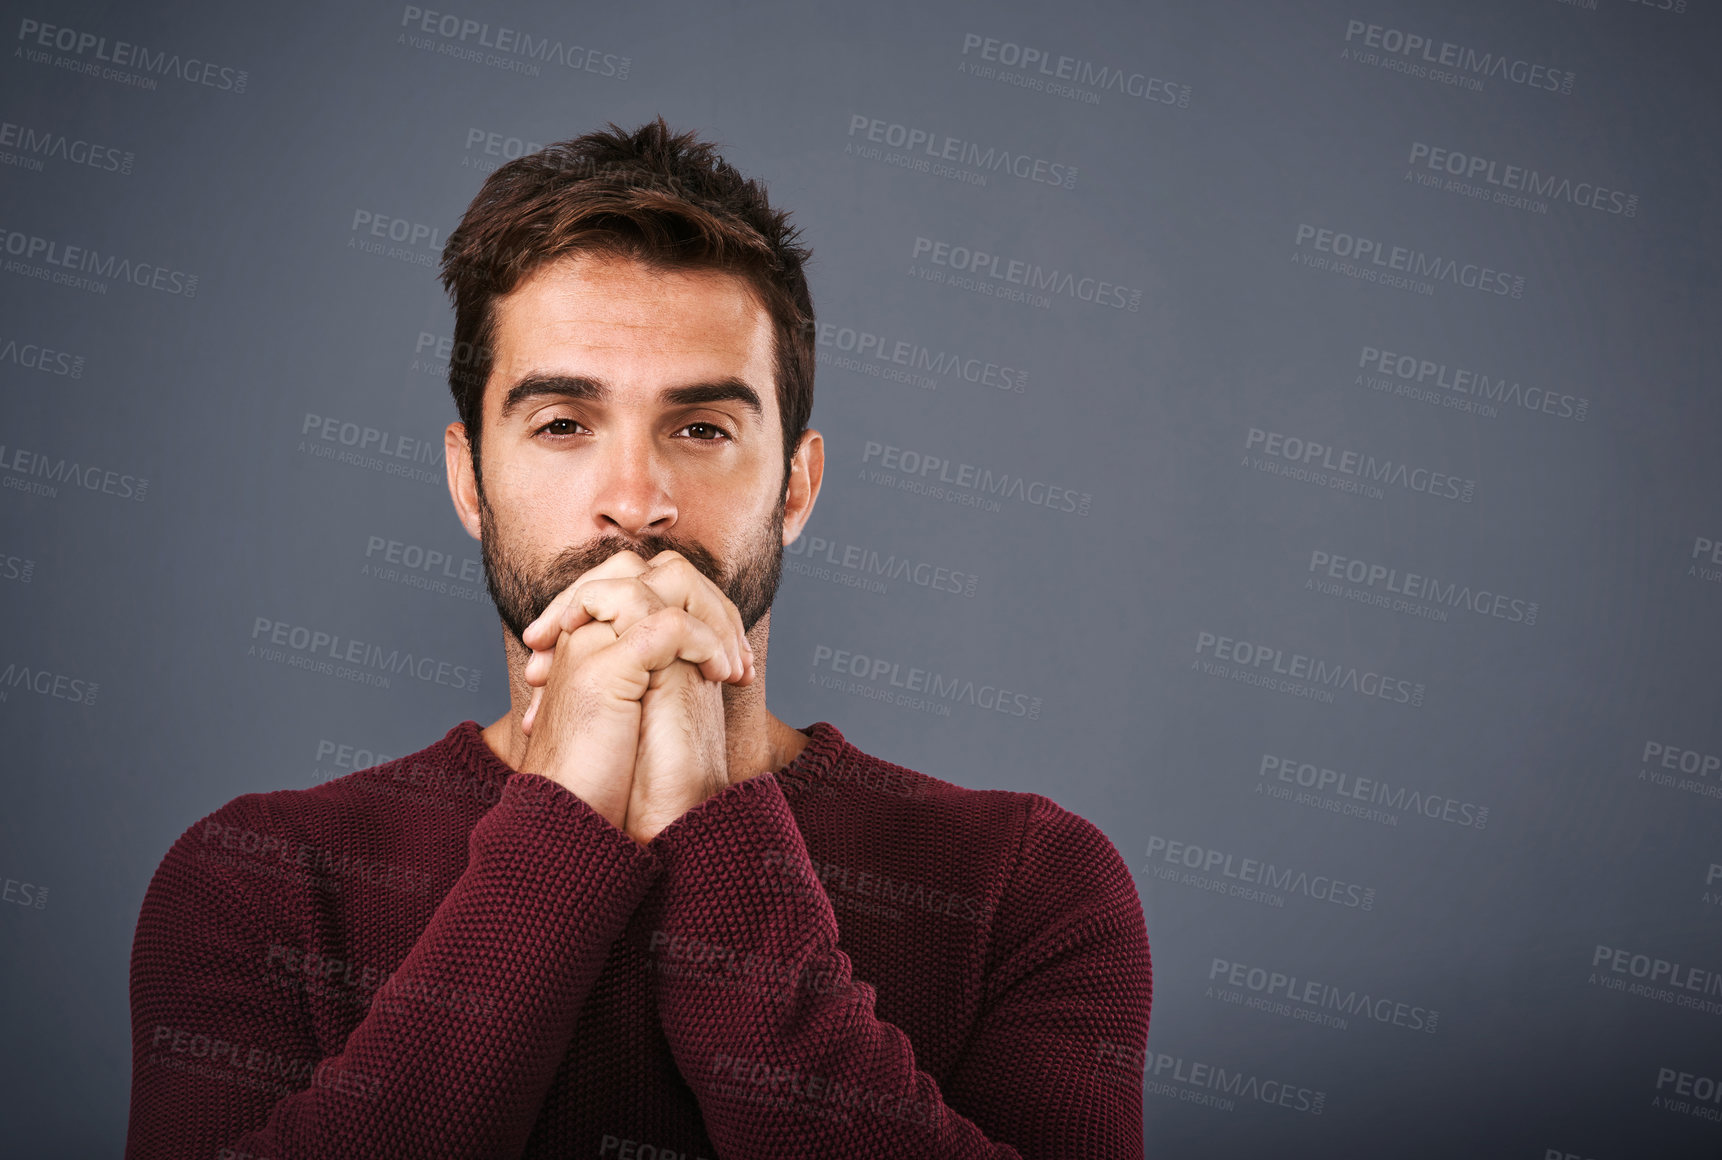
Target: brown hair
{"type": "Point", "coordinates": [663, 198]}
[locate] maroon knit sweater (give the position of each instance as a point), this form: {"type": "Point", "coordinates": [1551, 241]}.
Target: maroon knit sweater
{"type": "Point", "coordinates": [440, 957]}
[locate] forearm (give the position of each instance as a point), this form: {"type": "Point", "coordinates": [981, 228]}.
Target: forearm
{"type": "Point", "coordinates": [761, 1010]}
{"type": "Point", "coordinates": [520, 937]}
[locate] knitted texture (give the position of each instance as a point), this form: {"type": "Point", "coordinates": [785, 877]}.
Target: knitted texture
{"type": "Point", "coordinates": [441, 957]}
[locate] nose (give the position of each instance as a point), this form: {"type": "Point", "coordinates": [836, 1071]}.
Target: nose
{"type": "Point", "coordinates": [632, 497]}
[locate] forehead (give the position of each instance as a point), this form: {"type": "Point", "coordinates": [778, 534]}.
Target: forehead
{"type": "Point", "coordinates": [622, 320]}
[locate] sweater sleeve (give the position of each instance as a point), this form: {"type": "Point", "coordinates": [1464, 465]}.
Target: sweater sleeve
{"type": "Point", "coordinates": [227, 1067]}
{"type": "Point", "coordinates": [781, 1044]}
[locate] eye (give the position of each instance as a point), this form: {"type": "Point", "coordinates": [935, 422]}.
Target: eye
{"type": "Point", "coordinates": [712, 427]}
{"type": "Point", "coordinates": [564, 423]}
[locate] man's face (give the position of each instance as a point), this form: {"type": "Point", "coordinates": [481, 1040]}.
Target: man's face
{"type": "Point", "coordinates": [616, 416]}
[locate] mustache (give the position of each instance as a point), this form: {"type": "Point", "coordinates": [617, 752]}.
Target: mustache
{"type": "Point", "coordinates": [575, 561]}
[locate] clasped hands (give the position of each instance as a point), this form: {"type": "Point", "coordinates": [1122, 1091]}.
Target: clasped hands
{"type": "Point", "coordinates": [627, 672]}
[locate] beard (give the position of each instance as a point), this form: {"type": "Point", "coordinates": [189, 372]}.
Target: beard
{"type": "Point", "coordinates": [522, 590]}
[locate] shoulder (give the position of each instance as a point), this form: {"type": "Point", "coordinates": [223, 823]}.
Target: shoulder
{"type": "Point", "coordinates": [861, 793]}
{"type": "Point", "coordinates": [1063, 845]}
{"type": "Point", "coordinates": [1048, 856]}
{"type": "Point", "coordinates": [281, 842]}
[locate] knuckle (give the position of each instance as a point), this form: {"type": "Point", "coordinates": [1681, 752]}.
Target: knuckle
{"type": "Point", "coordinates": [588, 684]}
{"type": "Point", "coordinates": [640, 634]}
{"type": "Point", "coordinates": [592, 635]}
{"type": "Point", "coordinates": [672, 565]}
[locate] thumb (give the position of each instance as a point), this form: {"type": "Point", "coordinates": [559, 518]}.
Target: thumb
{"type": "Point", "coordinates": [531, 713]}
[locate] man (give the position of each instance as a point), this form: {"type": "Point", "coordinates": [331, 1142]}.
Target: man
{"type": "Point", "coordinates": [638, 916]}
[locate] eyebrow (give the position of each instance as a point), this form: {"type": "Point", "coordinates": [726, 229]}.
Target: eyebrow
{"type": "Point", "coordinates": [583, 388]}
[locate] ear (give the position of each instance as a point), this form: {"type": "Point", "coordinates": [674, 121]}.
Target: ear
{"type": "Point", "coordinates": [806, 470]}
{"type": "Point", "coordinates": [462, 483]}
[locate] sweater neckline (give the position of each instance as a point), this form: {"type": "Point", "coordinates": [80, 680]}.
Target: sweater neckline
{"type": "Point", "coordinates": [825, 749]}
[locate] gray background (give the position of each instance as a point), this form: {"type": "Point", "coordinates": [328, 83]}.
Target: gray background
{"type": "Point", "coordinates": [1190, 536]}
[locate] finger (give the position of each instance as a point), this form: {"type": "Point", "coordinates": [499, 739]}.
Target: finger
{"type": "Point", "coordinates": [526, 718]}
{"type": "Point", "coordinates": [582, 642]}
{"type": "Point", "coordinates": [698, 593]}
{"type": "Point", "coordinates": [624, 563]}
{"type": "Point", "coordinates": [674, 577]}
{"type": "Point", "coordinates": [615, 678]}
{"type": "Point", "coordinates": [572, 651]}
{"type": "Point", "coordinates": [541, 633]}
{"type": "Point", "coordinates": [537, 669]}
{"type": "Point", "coordinates": [539, 665]}
{"type": "Point", "coordinates": [673, 633]}
{"type": "Point", "coordinates": [620, 601]}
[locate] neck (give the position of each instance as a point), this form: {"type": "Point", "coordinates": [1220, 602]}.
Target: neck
{"type": "Point", "coordinates": [755, 741]}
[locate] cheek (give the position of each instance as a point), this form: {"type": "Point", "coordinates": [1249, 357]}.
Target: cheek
{"type": "Point", "coordinates": [529, 491]}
